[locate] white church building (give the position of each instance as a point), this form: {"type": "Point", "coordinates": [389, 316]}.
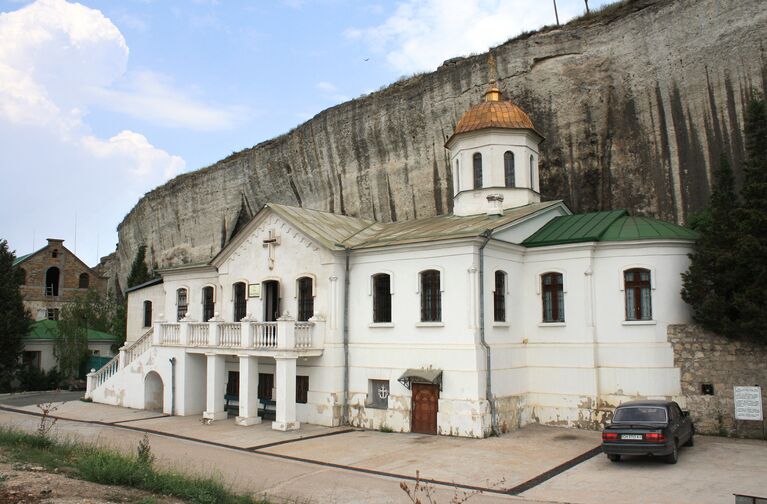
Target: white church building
{"type": "Point", "coordinates": [508, 311]}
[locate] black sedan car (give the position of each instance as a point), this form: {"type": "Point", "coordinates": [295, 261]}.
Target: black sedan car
{"type": "Point", "coordinates": [655, 428]}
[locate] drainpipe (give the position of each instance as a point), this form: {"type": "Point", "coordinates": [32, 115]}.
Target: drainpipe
{"type": "Point", "coordinates": [345, 412]}
{"type": "Point", "coordinates": [172, 386]}
{"type": "Point", "coordinates": [488, 370]}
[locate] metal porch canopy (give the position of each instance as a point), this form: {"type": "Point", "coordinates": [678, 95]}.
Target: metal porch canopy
{"type": "Point", "coordinates": [432, 376]}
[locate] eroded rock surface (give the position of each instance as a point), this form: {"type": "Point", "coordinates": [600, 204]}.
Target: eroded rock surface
{"type": "Point", "coordinates": [636, 105]}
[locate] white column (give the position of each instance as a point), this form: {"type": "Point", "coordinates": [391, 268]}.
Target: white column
{"type": "Point", "coordinates": [286, 332]}
{"type": "Point", "coordinates": [216, 388]}
{"type": "Point", "coordinates": [285, 388]}
{"type": "Point", "coordinates": [183, 332]}
{"type": "Point", "coordinates": [90, 383]}
{"type": "Point", "coordinates": [248, 391]}
{"type": "Point", "coordinates": [122, 356]}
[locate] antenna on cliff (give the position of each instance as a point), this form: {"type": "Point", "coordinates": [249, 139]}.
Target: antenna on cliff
{"type": "Point", "coordinates": [556, 14]}
{"type": "Point", "coordinates": [492, 70]}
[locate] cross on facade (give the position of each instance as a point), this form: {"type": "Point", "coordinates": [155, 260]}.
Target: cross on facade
{"type": "Point", "coordinates": [270, 243]}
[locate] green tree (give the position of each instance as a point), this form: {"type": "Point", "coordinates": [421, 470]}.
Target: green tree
{"type": "Point", "coordinates": [14, 319]}
{"type": "Point", "coordinates": [89, 311]}
{"type": "Point", "coordinates": [727, 281]}
{"type": "Point", "coordinates": [139, 272]}
{"type": "Point", "coordinates": [709, 285]}
{"type": "Point", "coordinates": [751, 218]}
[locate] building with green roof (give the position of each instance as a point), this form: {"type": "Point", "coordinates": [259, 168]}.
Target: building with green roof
{"type": "Point", "coordinates": [39, 342]}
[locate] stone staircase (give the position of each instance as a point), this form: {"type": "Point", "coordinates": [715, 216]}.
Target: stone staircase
{"type": "Point", "coordinates": [127, 354]}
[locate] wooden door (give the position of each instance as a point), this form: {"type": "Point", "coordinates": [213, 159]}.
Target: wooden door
{"type": "Point", "coordinates": [425, 407]}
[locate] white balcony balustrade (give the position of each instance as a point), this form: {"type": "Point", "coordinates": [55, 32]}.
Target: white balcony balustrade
{"type": "Point", "coordinates": [285, 334]}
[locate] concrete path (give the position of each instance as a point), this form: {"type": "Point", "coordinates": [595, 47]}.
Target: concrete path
{"type": "Point", "coordinates": [321, 464]}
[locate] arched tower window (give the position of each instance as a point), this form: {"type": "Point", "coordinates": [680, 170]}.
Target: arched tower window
{"type": "Point", "coordinates": [208, 303]}
{"type": "Point", "coordinates": [457, 177]}
{"type": "Point", "coordinates": [52, 281]}
{"type": "Point", "coordinates": [84, 281]}
{"type": "Point", "coordinates": [638, 294]}
{"type": "Point", "coordinates": [55, 253]}
{"type": "Point", "coordinates": [532, 172]}
{"type": "Point", "coordinates": [508, 168]}
{"type": "Point", "coordinates": [240, 303]}
{"type": "Point", "coordinates": [477, 170]}
{"type": "Point", "coordinates": [147, 313]}
{"type": "Point", "coordinates": [305, 298]}
{"type": "Point", "coordinates": [182, 303]}
{"type": "Point", "coordinates": [381, 298]}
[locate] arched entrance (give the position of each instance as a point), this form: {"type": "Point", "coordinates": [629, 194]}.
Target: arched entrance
{"type": "Point", "coordinates": [153, 392]}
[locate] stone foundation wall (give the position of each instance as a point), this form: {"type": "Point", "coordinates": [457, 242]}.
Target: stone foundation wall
{"type": "Point", "coordinates": [706, 358]}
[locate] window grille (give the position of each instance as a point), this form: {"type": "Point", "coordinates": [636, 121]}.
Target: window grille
{"type": "Point", "coordinates": [431, 296]}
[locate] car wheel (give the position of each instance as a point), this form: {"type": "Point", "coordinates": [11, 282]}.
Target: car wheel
{"type": "Point", "coordinates": [672, 457]}
{"type": "Point", "coordinates": [691, 441]}
{"type": "Point", "coordinates": [614, 458]}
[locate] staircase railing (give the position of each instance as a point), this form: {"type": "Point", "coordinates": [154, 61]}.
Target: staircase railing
{"type": "Point", "coordinates": [131, 353]}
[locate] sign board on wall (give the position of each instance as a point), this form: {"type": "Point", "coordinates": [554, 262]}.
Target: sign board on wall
{"type": "Point", "coordinates": [748, 403]}
{"type": "Point", "coordinates": [254, 290]}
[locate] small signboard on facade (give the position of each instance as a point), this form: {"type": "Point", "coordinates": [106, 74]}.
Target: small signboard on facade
{"type": "Point", "coordinates": [748, 403]}
{"type": "Point", "coordinates": [254, 290]}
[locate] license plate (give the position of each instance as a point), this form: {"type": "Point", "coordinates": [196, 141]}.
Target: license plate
{"type": "Point", "coordinates": [632, 436]}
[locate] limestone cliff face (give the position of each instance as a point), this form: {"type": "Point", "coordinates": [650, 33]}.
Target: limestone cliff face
{"type": "Point", "coordinates": [636, 105]}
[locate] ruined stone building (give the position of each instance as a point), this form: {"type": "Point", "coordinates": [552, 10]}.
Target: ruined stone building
{"type": "Point", "coordinates": [53, 276]}
{"type": "Point", "coordinates": [509, 310]}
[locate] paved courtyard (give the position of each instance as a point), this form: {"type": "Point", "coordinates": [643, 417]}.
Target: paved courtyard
{"type": "Point", "coordinates": [534, 464]}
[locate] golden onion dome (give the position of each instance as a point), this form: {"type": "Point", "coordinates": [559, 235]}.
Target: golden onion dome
{"type": "Point", "coordinates": [494, 112]}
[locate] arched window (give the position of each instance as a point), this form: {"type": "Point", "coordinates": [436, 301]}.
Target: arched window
{"type": "Point", "coordinates": [52, 281]}
{"type": "Point", "coordinates": [499, 297]}
{"type": "Point", "coordinates": [508, 168]}
{"type": "Point", "coordinates": [147, 313]}
{"type": "Point", "coordinates": [381, 298]}
{"type": "Point", "coordinates": [84, 281]}
{"type": "Point", "coordinates": [240, 302]}
{"type": "Point", "coordinates": [208, 303]}
{"type": "Point", "coordinates": [638, 294]}
{"type": "Point", "coordinates": [532, 172]}
{"type": "Point", "coordinates": [553, 297]}
{"type": "Point", "coordinates": [305, 288]}
{"type": "Point", "coordinates": [477, 170]}
{"type": "Point", "coordinates": [182, 303]}
{"type": "Point", "coordinates": [22, 276]}
{"type": "Point", "coordinates": [431, 296]}
{"type": "Point", "coordinates": [55, 253]}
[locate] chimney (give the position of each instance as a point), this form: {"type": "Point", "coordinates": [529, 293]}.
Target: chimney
{"type": "Point", "coordinates": [494, 204]}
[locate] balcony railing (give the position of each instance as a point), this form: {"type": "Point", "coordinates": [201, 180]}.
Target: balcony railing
{"type": "Point", "coordinates": [284, 334]}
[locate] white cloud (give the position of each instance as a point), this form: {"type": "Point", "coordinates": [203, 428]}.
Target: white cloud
{"type": "Point", "coordinates": [421, 34]}
{"type": "Point", "coordinates": [154, 97]}
{"type": "Point", "coordinates": [330, 92]}
{"type": "Point", "coordinates": [58, 61]}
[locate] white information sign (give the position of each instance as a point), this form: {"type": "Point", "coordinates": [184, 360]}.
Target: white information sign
{"type": "Point", "coordinates": [748, 403]}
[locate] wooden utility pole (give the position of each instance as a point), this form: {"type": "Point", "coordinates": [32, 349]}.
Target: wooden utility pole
{"type": "Point", "coordinates": [556, 14]}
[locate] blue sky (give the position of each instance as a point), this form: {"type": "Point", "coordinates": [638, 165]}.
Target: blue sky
{"type": "Point", "coordinates": [101, 101]}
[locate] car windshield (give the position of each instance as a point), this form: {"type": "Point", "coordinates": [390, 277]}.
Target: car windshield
{"type": "Point", "coordinates": [639, 414]}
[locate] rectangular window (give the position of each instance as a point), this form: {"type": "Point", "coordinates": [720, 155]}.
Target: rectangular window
{"type": "Point", "coordinates": [233, 384]}
{"type": "Point", "coordinates": [638, 294]}
{"type": "Point", "coordinates": [147, 313]}
{"type": "Point", "coordinates": [265, 386]}
{"type": "Point", "coordinates": [378, 394]}
{"type": "Point", "coordinates": [302, 389]}
{"type": "Point", "coordinates": [240, 304]}
{"type": "Point", "coordinates": [381, 298]}
{"type": "Point", "coordinates": [182, 304]}
{"type": "Point", "coordinates": [52, 313]}
{"type": "Point", "coordinates": [553, 297]}
{"type": "Point", "coordinates": [499, 297]}
{"type": "Point", "coordinates": [208, 305]}
{"type": "Point", "coordinates": [305, 299]}
{"type": "Point", "coordinates": [431, 296]}
{"type": "Point", "coordinates": [32, 359]}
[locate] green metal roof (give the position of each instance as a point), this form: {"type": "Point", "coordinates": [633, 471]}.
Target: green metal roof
{"type": "Point", "coordinates": [48, 329]}
{"type": "Point", "coordinates": [613, 225]}
{"type": "Point", "coordinates": [22, 258]}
